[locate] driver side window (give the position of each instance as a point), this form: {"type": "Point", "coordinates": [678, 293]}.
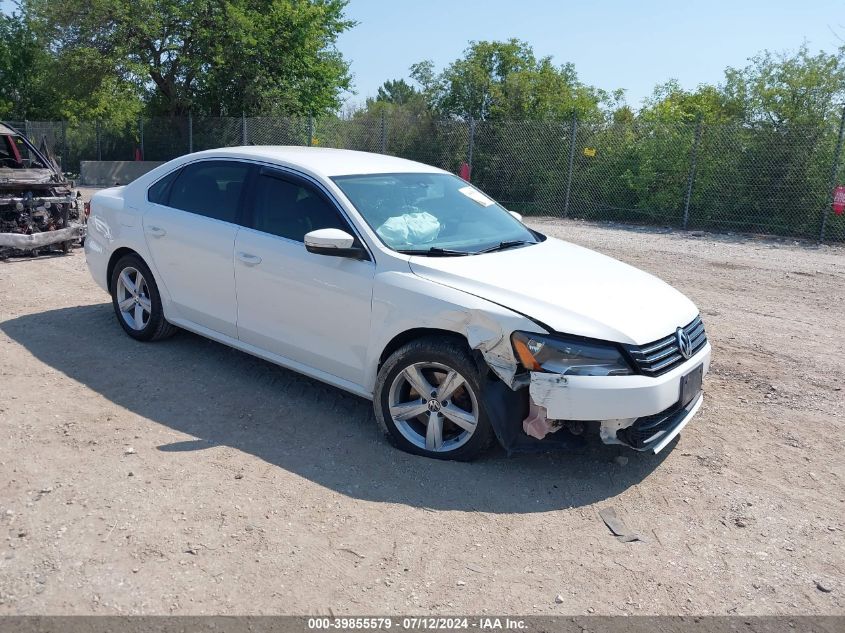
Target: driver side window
{"type": "Point", "coordinates": [289, 209]}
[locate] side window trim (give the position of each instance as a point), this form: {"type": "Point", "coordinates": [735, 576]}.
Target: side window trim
{"type": "Point", "coordinates": [296, 179]}
{"type": "Point", "coordinates": [296, 176]}
{"type": "Point", "coordinates": [241, 212]}
{"type": "Point", "coordinates": [173, 175]}
{"type": "Point", "coordinates": [246, 206]}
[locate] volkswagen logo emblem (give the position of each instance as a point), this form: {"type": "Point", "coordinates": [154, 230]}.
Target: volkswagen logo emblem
{"type": "Point", "coordinates": [684, 344]}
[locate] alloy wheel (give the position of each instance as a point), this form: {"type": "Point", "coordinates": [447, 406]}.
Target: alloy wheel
{"type": "Point", "coordinates": [133, 298]}
{"type": "Point", "coordinates": [433, 406]}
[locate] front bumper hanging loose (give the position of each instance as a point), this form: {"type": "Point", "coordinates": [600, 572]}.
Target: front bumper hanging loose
{"type": "Point", "coordinates": [641, 412]}
{"type": "Point", "coordinates": [27, 242]}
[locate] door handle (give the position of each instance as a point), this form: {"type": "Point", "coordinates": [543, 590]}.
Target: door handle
{"type": "Point", "coordinates": [156, 231]}
{"type": "Point", "coordinates": [249, 260]}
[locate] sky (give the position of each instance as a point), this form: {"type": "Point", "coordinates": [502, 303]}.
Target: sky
{"type": "Point", "coordinates": [613, 43]}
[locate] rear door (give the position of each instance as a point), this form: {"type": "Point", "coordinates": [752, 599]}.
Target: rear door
{"type": "Point", "coordinates": [312, 309]}
{"type": "Point", "coordinates": [190, 225]}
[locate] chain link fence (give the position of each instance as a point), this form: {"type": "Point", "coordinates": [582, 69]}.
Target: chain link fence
{"type": "Point", "coordinates": [727, 177]}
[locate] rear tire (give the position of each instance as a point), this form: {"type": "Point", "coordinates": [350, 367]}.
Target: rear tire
{"type": "Point", "coordinates": [429, 400]}
{"type": "Point", "coordinates": [137, 302]}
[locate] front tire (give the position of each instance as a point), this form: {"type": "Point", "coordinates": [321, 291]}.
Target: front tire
{"type": "Point", "coordinates": [137, 302]}
{"type": "Point", "coordinates": [429, 400]}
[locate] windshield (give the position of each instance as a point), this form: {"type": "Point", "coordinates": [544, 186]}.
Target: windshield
{"type": "Point", "coordinates": [15, 153]}
{"type": "Point", "coordinates": [433, 214]}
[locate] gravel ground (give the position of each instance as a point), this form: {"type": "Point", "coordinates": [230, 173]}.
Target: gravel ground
{"type": "Point", "coordinates": [184, 477]}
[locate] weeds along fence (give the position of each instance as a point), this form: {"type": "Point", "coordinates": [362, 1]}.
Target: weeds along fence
{"type": "Point", "coordinates": [728, 177]}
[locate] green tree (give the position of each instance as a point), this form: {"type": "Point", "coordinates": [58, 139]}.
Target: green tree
{"type": "Point", "coordinates": [24, 65]}
{"type": "Point", "coordinates": [789, 88]}
{"type": "Point", "coordinates": [505, 80]}
{"type": "Point", "coordinates": [396, 91]}
{"type": "Point", "coordinates": [670, 103]}
{"type": "Point", "coordinates": [779, 89]}
{"type": "Point", "coordinates": [215, 57]}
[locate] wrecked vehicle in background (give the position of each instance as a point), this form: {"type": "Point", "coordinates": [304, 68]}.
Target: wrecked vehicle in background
{"type": "Point", "coordinates": [40, 210]}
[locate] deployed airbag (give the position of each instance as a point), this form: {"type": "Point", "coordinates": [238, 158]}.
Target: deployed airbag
{"type": "Point", "coordinates": [409, 229]}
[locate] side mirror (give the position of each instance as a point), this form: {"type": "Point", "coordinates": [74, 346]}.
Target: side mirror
{"type": "Point", "coordinates": [518, 216]}
{"type": "Point", "coordinates": [334, 243]}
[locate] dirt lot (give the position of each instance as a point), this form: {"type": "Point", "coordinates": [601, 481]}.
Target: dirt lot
{"type": "Point", "coordinates": [185, 477]}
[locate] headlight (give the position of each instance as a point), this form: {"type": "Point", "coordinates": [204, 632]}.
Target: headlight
{"type": "Point", "coordinates": [538, 352]}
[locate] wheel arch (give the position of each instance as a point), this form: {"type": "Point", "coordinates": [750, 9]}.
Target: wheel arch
{"type": "Point", "coordinates": [405, 337]}
{"type": "Point", "coordinates": [115, 257]}
{"type": "Point", "coordinates": [122, 251]}
{"type": "Point", "coordinates": [406, 307]}
{"type": "Point", "coordinates": [158, 327]}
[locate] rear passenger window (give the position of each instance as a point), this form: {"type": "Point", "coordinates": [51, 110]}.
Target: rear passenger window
{"type": "Point", "coordinates": [289, 209]}
{"type": "Point", "coordinates": [210, 188]}
{"type": "Point", "coordinates": [159, 192]}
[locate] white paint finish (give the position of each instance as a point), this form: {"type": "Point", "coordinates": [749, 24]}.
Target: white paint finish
{"type": "Point", "coordinates": [278, 359]}
{"type": "Point", "coordinates": [569, 288]}
{"type": "Point", "coordinates": [313, 309]}
{"type": "Point", "coordinates": [331, 317]}
{"type": "Point", "coordinates": [97, 253]}
{"type": "Point", "coordinates": [194, 256]}
{"type": "Point", "coordinates": [319, 162]}
{"type": "Point", "coordinates": [611, 397]}
{"type": "Point", "coordinates": [329, 238]}
{"type": "Point", "coordinates": [403, 301]}
{"type": "Point", "coordinates": [108, 230]}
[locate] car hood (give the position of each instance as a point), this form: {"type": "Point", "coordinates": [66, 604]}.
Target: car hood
{"type": "Point", "coordinates": [569, 288]}
{"type": "Point", "coordinates": [32, 174]}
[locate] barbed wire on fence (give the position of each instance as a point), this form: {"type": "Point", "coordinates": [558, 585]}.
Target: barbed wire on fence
{"type": "Point", "coordinates": [728, 177]}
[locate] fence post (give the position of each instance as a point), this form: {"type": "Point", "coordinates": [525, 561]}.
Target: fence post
{"type": "Point", "coordinates": [834, 174]}
{"type": "Point", "coordinates": [310, 130]}
{"type": "Point", "coordinates": [64, 140]}
{"type": "Point", "coordinates": [99, 148]}
{"type": "Point", "coordinates": [693, 164]}
{"type": "Point", "coordinates": [190, 133]}
{"type": "Point", "coordinates": [471, 144]}
{"type": "Point", "coordinates": [572, 135]}
{"type": "Point", "coordinates": [383, 133]}
{"type": "Point", "coordinates": [141, 134]}
{"type": "Point", "coordinates": [244, 139]}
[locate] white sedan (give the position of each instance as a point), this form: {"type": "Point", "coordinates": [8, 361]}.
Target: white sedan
{"type": "Point", "coordinates": [406, 285]}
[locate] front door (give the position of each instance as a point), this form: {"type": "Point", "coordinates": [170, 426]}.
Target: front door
{"type": "Point", "coordinates": [312, 309]}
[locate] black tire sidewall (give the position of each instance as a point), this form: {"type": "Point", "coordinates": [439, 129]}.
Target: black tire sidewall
{"type": "Point", "coordinates": [447, 352]}
{"type": "Point", "coordinates": [157, 315]}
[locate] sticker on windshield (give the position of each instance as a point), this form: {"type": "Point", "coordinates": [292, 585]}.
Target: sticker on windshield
{"type": "Point", "coordinates": [476, 196]}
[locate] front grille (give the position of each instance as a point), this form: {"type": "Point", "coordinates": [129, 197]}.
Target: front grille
{"type": "Point", "coordinates": [654, 359]}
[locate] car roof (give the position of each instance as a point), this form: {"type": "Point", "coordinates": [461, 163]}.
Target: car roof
{"type": "Point", "coordinates": [323, 161]}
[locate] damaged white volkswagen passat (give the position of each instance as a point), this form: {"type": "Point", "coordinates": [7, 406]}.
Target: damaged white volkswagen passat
{"type": "Point", "coordinates": [403, 284]}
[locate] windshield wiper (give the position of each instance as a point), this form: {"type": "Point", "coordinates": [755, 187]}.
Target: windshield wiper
{"type": "Point", "coordinates": [434, 251]}
{"type": "Point", "coordinates": [504, 245]}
